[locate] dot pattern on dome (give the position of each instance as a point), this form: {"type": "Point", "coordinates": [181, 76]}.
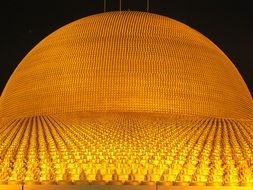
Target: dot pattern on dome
{"type": "Point", "coordinates": [126, 98]}
{"type": "Point", "coordinates": [126, 62]}
{"type": "Point", "coordinates": [127, 148]}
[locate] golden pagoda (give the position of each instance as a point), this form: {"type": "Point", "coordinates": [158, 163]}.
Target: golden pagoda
{"type": "Point", "coordinates": [126, 100]}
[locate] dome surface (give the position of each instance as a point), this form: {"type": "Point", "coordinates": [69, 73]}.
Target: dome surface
{"type": "Point", "coordinates": [126, 98]}
{"type": "Point", "coordinates": [126, 62]}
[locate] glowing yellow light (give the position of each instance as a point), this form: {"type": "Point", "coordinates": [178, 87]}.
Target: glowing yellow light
{"type": "Point", "coordinates": [129, 98]}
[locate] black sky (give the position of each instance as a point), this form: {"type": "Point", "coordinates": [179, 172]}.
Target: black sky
{"type": "Point", "coordinates": [25, 23]}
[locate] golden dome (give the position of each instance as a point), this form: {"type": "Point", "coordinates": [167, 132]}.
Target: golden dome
{"type": "Point", "coordinates": [127, 62]}
{"type": "Point", "coordinates": [126, 98]}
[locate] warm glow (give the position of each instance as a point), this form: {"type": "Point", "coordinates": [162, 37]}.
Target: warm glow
{"type": "Point", "coordinates": [178, 150]}
{"type": "Point", "coordinates": [126, 98]}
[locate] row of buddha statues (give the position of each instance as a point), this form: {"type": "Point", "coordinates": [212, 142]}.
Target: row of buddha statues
{"type": "Point", "coordinates": [164, 179]}
{"type": "Point", "coordinates": [193, 152]}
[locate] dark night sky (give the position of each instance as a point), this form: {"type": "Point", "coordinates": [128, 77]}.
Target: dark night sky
{"type": "Point", "coordinates": [25, 23]}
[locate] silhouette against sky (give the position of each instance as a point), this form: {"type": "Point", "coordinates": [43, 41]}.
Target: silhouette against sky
{"type": "Point", "coordinates": [25, 23]}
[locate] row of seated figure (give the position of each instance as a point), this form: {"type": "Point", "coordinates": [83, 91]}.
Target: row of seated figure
{"type": "Point", "coordinates": [111, 150]}
{"type": "Point", "coordinates": [131, 179]}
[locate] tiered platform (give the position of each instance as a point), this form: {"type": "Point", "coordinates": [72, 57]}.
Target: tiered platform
{"type": "Point", "coordinates": [145, 151]}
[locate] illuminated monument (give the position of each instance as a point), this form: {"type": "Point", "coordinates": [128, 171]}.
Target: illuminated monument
{"type": "Point", "coordinates": [126, 98]}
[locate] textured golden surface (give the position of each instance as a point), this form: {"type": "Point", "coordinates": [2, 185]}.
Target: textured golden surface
{"type": "Point", "coordinates": [126, 98]}
{"type": "Point", "coordinates": [129, 61]}
{"type": "Point", "coordinates": [173, 149]}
